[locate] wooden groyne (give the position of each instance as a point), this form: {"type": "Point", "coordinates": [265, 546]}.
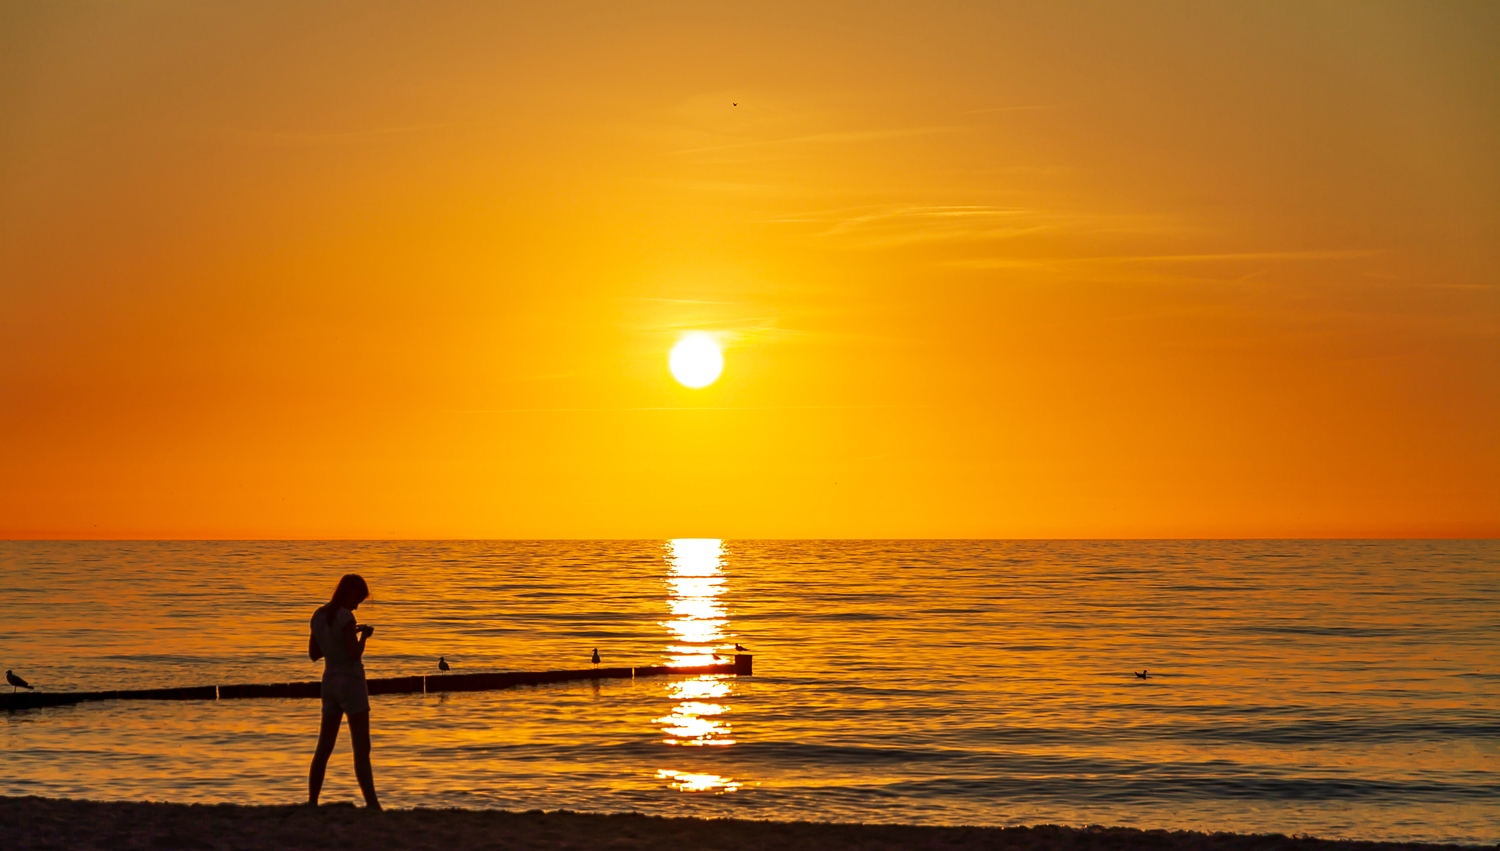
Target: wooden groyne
{"type": "Point", "coordinates": [436, 683]}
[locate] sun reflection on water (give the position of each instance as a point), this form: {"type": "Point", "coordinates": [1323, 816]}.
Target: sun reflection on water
{"type": "Point", "coordinates": [685, 782]}
{"type": "Point", "coordinates": [695, 582]}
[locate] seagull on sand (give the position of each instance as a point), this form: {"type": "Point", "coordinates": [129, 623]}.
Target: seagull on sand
{"type": "Point", "coordinates": [442, 664]}
{"type": "Point", "coordinates": [596, 657]}
{"type": "Point", "coordinates": [740, 648]}
{"type": "Point", "coordinates": [16, 682]}
{"type": "Point", "coordinates": [1142, 675]}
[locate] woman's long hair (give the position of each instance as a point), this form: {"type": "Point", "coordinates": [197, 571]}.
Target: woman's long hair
{"type": "Point", "coordinates": [351, 589]}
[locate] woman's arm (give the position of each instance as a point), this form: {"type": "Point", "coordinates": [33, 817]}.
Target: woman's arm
{"type": "Point", "coordinates": [355, 637]}
{"type": "Point", "coordinates": [314, 652]}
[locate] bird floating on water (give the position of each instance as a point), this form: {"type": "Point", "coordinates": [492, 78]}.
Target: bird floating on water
{"type": "Point", "coordinates": [16, 682]}
{"type": "Point", "coordinates": [596, 657]}
{"type": "Point", "coordinates": [740, 648]}
{"type": "Point", "coordinates": [1142, 675]}
{"type": "Point", "coordinates": [442, 664]}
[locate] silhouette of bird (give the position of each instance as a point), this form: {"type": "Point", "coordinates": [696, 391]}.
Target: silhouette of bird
{"type": "Point", "coordinates": [596, 657]}
{"type": "Point", "coordinates": [740, 648]}
{"type": "Point", "coordinates": [1142, 675]}
{"type": "Point", "coordinates": [16, 682]}
{"type": "Point", "coordinates": [442, 664]}
{"type": "Point", "coordinates": [734, 104]}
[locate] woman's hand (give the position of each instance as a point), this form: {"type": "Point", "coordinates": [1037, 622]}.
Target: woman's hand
{"type": "Point", "coordinates": [365, 630]}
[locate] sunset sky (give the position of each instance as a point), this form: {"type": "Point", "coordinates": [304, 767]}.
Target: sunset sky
{"type": "Point", "coordinates": [978, 269]}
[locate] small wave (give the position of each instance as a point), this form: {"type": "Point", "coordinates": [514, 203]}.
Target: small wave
{"type": "Point", "coordinates": [1298, 733]}
{"type": "Point", "coordinates": [1194, 788]}
{"type": "Point", "coordinates": [1328, 630]}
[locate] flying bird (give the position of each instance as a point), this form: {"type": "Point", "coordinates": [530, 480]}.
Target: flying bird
{"type": "Point", "coordinates": [596, 657]}
{"type": "Point", "coordinates": [16, 682]}
{"type": "Point", "coordinates": [1142, 675]}
{"type": "Point", "coordinates": [442, 664]}
{"type": "Point", "coordinates": [740, 648]}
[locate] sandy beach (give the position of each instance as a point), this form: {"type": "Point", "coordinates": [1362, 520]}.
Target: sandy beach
{"type": "Point", "coordinates": [45, 823]}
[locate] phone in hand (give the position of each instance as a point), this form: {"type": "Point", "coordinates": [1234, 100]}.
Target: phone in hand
{"type": "Point", "coordinates": [366, 629]}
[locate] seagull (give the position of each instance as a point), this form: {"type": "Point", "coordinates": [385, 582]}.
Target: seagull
{"type": "Point", "coordinates": [1142, 675]}
{"type": "Point", "coordinates": [596, 657]}
{"type": "Point", "coordinates": [16, 682]}
{"type": "Point", "coordinates": [442, 664]}
{"type": "Point", "coordinates": [740, 648]}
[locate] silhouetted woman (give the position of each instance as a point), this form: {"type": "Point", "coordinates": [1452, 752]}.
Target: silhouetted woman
{"type": "Point", "coordinates": [340, 642]}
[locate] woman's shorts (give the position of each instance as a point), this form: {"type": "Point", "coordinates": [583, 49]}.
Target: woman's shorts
{"type": "Point", "coordinates": [345, 690]}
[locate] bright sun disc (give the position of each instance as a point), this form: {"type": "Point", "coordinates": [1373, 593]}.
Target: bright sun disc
{"type": "Point", "coordinates": [696, 360]}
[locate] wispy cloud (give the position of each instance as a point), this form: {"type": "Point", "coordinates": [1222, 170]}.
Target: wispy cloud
{"type": "Point", "coordinates": [742, 329]}
{"type": "Point", "coordinates": [292, 138]}
{"type": "Point", "coordinates": [1147, 259]}
{"type": "Point", "coordinates": [740, 322]}
{"type": "Point", "coordinates": [995, 109]}
{"type": "Point", "coordinates": [894, 225]}
{"type": "Point", "coordinates": [677, 409]}
{"type": "Point", "coordinates": [1216, 268]}
{"type": "Point", "coordinates": [823, 139]}
{"type": "Point", "coordinates": [549, 376]}
{"type": "Point", "coordinates": [692, 301]}
{"type": "Point", "coordinates": [1336, 254]}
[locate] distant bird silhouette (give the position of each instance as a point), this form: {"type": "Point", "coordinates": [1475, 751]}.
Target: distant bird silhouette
{"type": "Point", "coordinates": [740, 648]}
{"type": "Point", "coordinates": [442, 664]}
{"type": "Point", "coordinates": [16, 682]}
{"type": "Point", "coordinates": [1142, 675]}
{"type": "Point", "coordinates": [596, 657]}
{"type": "Point", "coordinates": [734, 104]}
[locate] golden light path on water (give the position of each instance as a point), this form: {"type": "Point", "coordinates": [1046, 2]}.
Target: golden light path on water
{"type": "Point", "coordinates": [695, 582]}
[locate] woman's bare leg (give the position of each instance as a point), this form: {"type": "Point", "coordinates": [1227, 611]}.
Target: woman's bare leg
{"type": "Point", "coordinates": [359, 731]}
{"type": "Point", "coordinates": [328, 736]}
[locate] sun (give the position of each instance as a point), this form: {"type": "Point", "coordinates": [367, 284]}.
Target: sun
{"type": "Point", "coordinates": [696, 360]}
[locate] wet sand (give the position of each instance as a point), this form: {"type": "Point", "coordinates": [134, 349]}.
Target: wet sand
{"type": "Point", "coordinates": [46, 823]}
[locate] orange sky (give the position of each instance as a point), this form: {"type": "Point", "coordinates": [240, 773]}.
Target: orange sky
{"type": "Point", "coordinates": [980, 269]}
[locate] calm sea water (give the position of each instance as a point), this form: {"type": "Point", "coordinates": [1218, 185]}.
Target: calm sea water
{"type": "Point", "coordinates": [1346, 689]}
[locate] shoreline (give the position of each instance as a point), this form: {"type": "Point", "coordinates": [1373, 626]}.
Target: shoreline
{"type": "Point", "coordinates": [36, 823]}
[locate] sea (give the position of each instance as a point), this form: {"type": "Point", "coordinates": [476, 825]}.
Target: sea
{"type": "Point", "coordinates": [1342, 689]}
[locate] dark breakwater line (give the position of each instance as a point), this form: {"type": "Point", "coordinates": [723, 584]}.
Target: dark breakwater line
{"type": "Point", "coordinates": [743, 665]}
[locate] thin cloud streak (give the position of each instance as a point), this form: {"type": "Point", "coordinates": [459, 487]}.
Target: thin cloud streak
{"type": "Point", "coordinates": [854, 136]}
{"type": "Point", "coordinates": [1056, 262]}
{"type": "Point", "coordinates": [894, 225]}
{"type": "Point", "coordinates": [995, 109]}
{"type": "Point", "coordinates": [679, 408]}
{"type": "Point", "coordinates": [278, 138]}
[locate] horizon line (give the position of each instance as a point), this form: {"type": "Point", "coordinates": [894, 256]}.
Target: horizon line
{"type": "Point", "coordinates": [1022, 539]}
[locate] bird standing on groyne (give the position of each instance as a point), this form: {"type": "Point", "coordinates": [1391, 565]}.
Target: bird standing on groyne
{"type": "Point", "coordinates": [442, 664]}
{"type": "Point", "coordinates": [740, 648]}
{"type": "Point", "coordinates": [596, 657]}
{"type": "Point", "coordinates": [16, 682]}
